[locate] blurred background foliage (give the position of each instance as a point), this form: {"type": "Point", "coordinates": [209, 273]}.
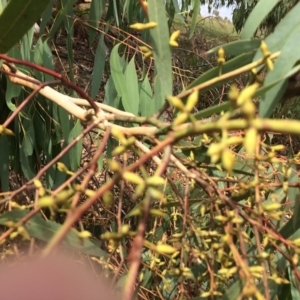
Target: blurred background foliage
{"type": "Point", "coordinates": [213, 220]}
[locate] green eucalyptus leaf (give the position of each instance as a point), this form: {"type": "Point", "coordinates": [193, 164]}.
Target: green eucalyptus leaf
{"type": "Point", "coordinates": [147, 105]}
{"type": "Point", "coordinates": [257, 15]}
{"type": "Point", "coordinates": [58, 21]}
{"type": "Point", "coordinates": [291, 230]}
{"type": "Point", "coordinates": [132, 87]}
{"type": "Point", "coordinates": [161, 50]}
{"type": "Point", "coordinates": [96, 11]}
{"type": "Point", "coordinates": [26, 44]}
{"type": "Point", "coordinates": [128, 91]}
{"type": "Point", "coordinates": [196, 9]}
{"type": "Point", "coordinates": [76, 151]}
{"type": "Point", "coordinates": [283, 64]}
{"type": "Point", "coordinates": [117, 73]}
{"type": "Point", "coordinates": [277, 40]}
{"type": "Point", "coordinates": [46, 16]}
{"type": "Point", "coordinates": [234, 291]}
{"type": "Point", "coordinates": [111, 95]}
{"type": "Point", "coordinates": [99, 65]}
{"type": "Point", "coordinates": [294, 284]}
{"type": "Point", "coordinates": [12, 90]}
{"type": "Point", "coordinates": [237, 47]}
{"type": "Point", "coordinates": [44, 230]}
{"type": "Point", "coordinates": [170, 10]}
{"type": "Point", "coordinates": [26, 164]}
{"type": "Point", "coordinates": [229, 66]}
{"type": "Point", "coordinates": [4, 163]}
{"type": "Point", "coordinates": [28, 143]}
{"type": "Point", "coordinates": [16, 19]}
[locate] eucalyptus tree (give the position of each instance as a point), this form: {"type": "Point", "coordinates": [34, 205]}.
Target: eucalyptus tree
{"type": "Point", "coordinates": [202, 205]}
{"type": "Point", "coordinates": [243, 8]}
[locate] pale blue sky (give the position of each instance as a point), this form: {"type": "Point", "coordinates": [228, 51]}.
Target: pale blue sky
{"type": "Point", "coordinates": [224, 11]}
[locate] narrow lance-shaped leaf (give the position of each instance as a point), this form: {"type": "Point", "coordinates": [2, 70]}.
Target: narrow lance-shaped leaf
{"type": "Point", "coordinates": [76, 151]}
{"type": "Point", "coordinates": [16, 19]}
{"type": "Point", "coordinates": [116, 71]}
{"type": "Point", "coordinates": [46, 17]}
{"type": "Point", "coordinates": [161, 49]}
{"type": "Point", "coordinates": [237, 47]}
{"type": "Point", "coordinates": [289, 56]}
{"type": "Point", "coordinates": [226, 105]}
{"type": "Point", "coordinates": [276, 40]}
{"type": "Point", "coordinates": [97, 8]}
{"type": "Point", "coordinates": [294, 284]}
{"type": "Point", "coordinates": [147, 105]}
{"type": "Point", "coordinates": [123, 87]}
{"type": "Point", "coordinates": [111, 96]}
{"type": "Point", "coordinates": [58, 21]}
{"type": "Point", "coordinates": [260, 11]}
{"type": "Point", "coordinates": [25, 164]}
{"type": "Point", "coordinates": [177, 10]}
{"type": "Point", "coordinates": [99, 64]}
{"type": "Point", "coordinates": [4, 163]}
{"type": "Point", "coordinates": [116, 11]}
{"type": "Point", "coordinates": [229, 66]}
{"type": "Point", "coordinates": [170, 9]}
{"type": "Point", "coordinates": [13, 90]}
{"type": "Point", "coordinates": [132, 87]}
{"type": "Point", "coordinates": [196, 10]}
{"type": "Point", "coordinates": [26, 44]}
{"type": "Point", "coordinates": [43, 230]}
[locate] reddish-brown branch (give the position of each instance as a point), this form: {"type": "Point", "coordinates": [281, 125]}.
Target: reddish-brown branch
{"type": "Point", "coordinates": [63, 80]}
{"type": "Point", "coordinates": [75, 216]}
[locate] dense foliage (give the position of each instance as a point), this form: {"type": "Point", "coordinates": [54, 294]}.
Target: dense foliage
{"type": "Point", "coordinates": [243, 8]}
{"type": "Point", "coordinates": [106, 153]}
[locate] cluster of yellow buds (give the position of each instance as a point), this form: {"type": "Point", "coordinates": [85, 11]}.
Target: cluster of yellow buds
{"type": "Point", "coordinates": [266, 53]}
{"type": "Point", "coordinates": [185, 109]}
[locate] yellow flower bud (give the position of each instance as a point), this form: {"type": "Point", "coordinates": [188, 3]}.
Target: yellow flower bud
{"type": "Point", "coordinates": [165, 249]}
{"type": "Point", "coordinates": [228, 160]}
{"type": "Point", "coordinates": [250, 140]}
{"type": "Point", "coordinates": [46, 201]}
{"type": "Point", "coordinates": [146, 51]}
{"type": "Point", "coordinates": [62, 167]}
{"type": "Point", "coordinates": [272, 206]}
{"type": "Point", "coordinates": [157, 212]}
{"type": "Point", "coordinates": [37, 183]}
{"type": "Point", "coordinates": [233, 94]}
{"type": "Point", "coordinates": [221, 53]}
{"type": "Point", "coordinates": [6, 131]}
{"type": "Point", "coordinates": [264, 49]}
{"type": "Point", "coordinates": [270, 64]}
{"type": "Point", "coordinates": [119, 150]}
{"type": "Point", "coordinates": [247, 94]}
{"type": "Point", "coordinates": [114, 166]}
{"type": "Point", "coordinates": [155, 180]}
{"type": "Point", "coordinates": [125, 229]}
{"type": "Point", "coordinates": [215, 151]}
{"type": "Point", "coordinates": [181, 118]}
{"type": "Point", "coordinates": [108, 199]}
{"type": "Point", "coordinates": [249, 109]}
{"type": "Point", "coordinates": [192, 101]}
{"type": "Point", "coordinates": [173, 39]}
{"type": "Point", "coordinates": [84, 234]}
{"type": "Point", "coordinates": [176, 102]}
{"type": "Point", "coordinates": [118, 134]}
{"type": "Point", "coordinates": [133, 178]}
{"type": "Point", "coordinates": [64, 195]}
{"type": "Point", "coordinates": [143, 26]}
